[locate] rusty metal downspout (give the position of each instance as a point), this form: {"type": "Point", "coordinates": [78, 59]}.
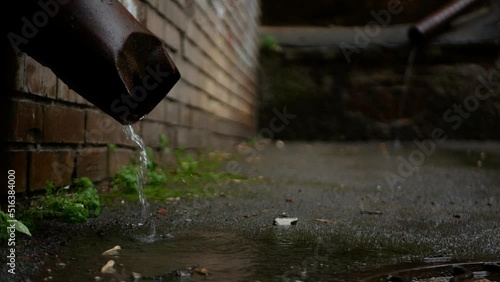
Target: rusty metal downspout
{"type": "Point", "coordinates": [98, 49]}
{"type": "Point", "coordinates": [437, 21]}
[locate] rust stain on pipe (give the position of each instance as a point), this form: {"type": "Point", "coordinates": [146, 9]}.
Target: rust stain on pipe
{"type": "Point", "coordinates": [438, 20]}
{"type": "Point", "coordinates": [98, 49]}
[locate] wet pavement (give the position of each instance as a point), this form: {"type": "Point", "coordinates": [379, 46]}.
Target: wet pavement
{"type": "Point", "coordinates": [352, 222]}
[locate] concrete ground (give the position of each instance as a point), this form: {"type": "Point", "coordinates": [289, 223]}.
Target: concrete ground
{"type": "Point", "coordinates": [352, 222]}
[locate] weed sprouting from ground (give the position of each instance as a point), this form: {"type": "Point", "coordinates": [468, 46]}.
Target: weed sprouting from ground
{"type": "Point", "coordinates": [73, 203]}
{"type": "Point", "coordinates": [5, 225]}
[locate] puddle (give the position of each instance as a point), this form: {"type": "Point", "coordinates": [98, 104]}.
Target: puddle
{"type": "Point", "coordinates": [484, 159]}
{"type": "Point", "coordinates": [226, 257]}
{"type": "Point", "coordinates": [459, 272]}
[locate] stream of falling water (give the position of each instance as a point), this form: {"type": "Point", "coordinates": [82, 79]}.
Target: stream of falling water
{"type": "Point", "coordinates": [141, 176]}
{"type": "Point", "coordinates": [406, 82]}
{"type": "Point", "coordinates": [404, 91]}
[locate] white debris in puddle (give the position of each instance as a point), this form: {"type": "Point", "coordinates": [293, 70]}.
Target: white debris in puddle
{"type": "Point", "coordinates": [113, 251]}
{"type": "Point", "coordinates": [280, 144]}
{"type": "Point", "coordinates": [109, 267]}
{"type": "Point", "coordinates": [285, 221]}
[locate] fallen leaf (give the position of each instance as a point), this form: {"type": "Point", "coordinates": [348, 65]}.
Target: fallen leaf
{"type": "Point", "coordinates": [371, 212]}
{"type": "Point", "coordinates": [201, 270]}
{"type": "Point", "coordinates": [325, 220]}
{"type": "Point", "coordinates": [289, 200]}
{"type": "Point", "coordinates": [162, 211]}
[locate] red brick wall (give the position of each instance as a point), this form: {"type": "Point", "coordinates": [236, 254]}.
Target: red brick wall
{"type": "Point", "coordinates": [53, 134]}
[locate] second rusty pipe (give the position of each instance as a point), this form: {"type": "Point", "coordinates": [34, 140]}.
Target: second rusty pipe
{"type": "Point", "coordinates": [437, 21]}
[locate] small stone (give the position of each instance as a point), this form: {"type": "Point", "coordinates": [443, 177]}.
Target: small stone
{"type": "Point", "coordinates": [97, 278]}
{"type": "Point", "coordinates": [482, 156]}
{"type": "Point", "coordinates": [136, 276]}
{"type": "Point", "coordinates": [183, 273]}
{"type": "Point", "coordinates": [280, 144]}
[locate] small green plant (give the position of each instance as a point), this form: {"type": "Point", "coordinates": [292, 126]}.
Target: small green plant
{"type": "Point", "coordinates": [189, 176]}
{"type": "Point", "coordinates": [4, 224]}
{"type": "Point", "coordinates": [75, 203]}
{"type": "Point", "coordinates": [269, 43]}
{"type": "Point", "coordinates": [187, 165]}
{"type": "Point", "coordinates": [112, 147]}
{"type": "Point", "coordinates": [126, 179]}
{"type": "Point", "coordinates": [164, 143]}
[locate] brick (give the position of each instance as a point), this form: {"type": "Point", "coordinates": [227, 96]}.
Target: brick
{"type": "Point", "coordinates": [154, 3]}
{"type": "Point", "coordinates": [39, 80]}
{"type": "Point", "coordinates": [102, 129]}
{"type": "Point", "coordinates": [172, 112]}
{"type": "Point", "coordinates": [191, 138]}
{"type": "Point", "coordinates": [64, 93]}
{"type": "Point", "coordinates": [83, 101]}
{"type": "Point", "coordinates": [192, 53]}
{"type": "Point", "coordinates": [92, 163]}
{"type": "Point", "coordinates": [154, 22]}
{"type": "Point", "coordinates": [200, 119]}
{"type": "Point", "coordinates": [174, 13]}
{"type": "Point", "coordinates": [63, 125]}
{"type": "Point", "coordinates": [196, 100]}
{"type": "Point", "coordinates": [181, 92]}
{"type": "Point", "coordinates": [29, 122]}
{"type": "Point", "coordinates": [17, 71]}
{"type": "Point", "coordinates": [172, 36]}
{"type": "Point", "coordinates": [17, 161]}
{"type": "Point", "coordinates": [56, 166]}
{"type": "Point", "coordinates": [151, 132]}
{"type": "Point", "coordinates": [159, 112]}
{"type": "Point", "coordinates": [186, 116]}
{"type": "Point", "coordinates": [118, 158]}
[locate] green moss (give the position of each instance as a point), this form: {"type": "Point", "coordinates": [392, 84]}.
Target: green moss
{"type": "Point", "coordinates": [73, 203]}
{"type": "Point", "coordinates": [189, 176]}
